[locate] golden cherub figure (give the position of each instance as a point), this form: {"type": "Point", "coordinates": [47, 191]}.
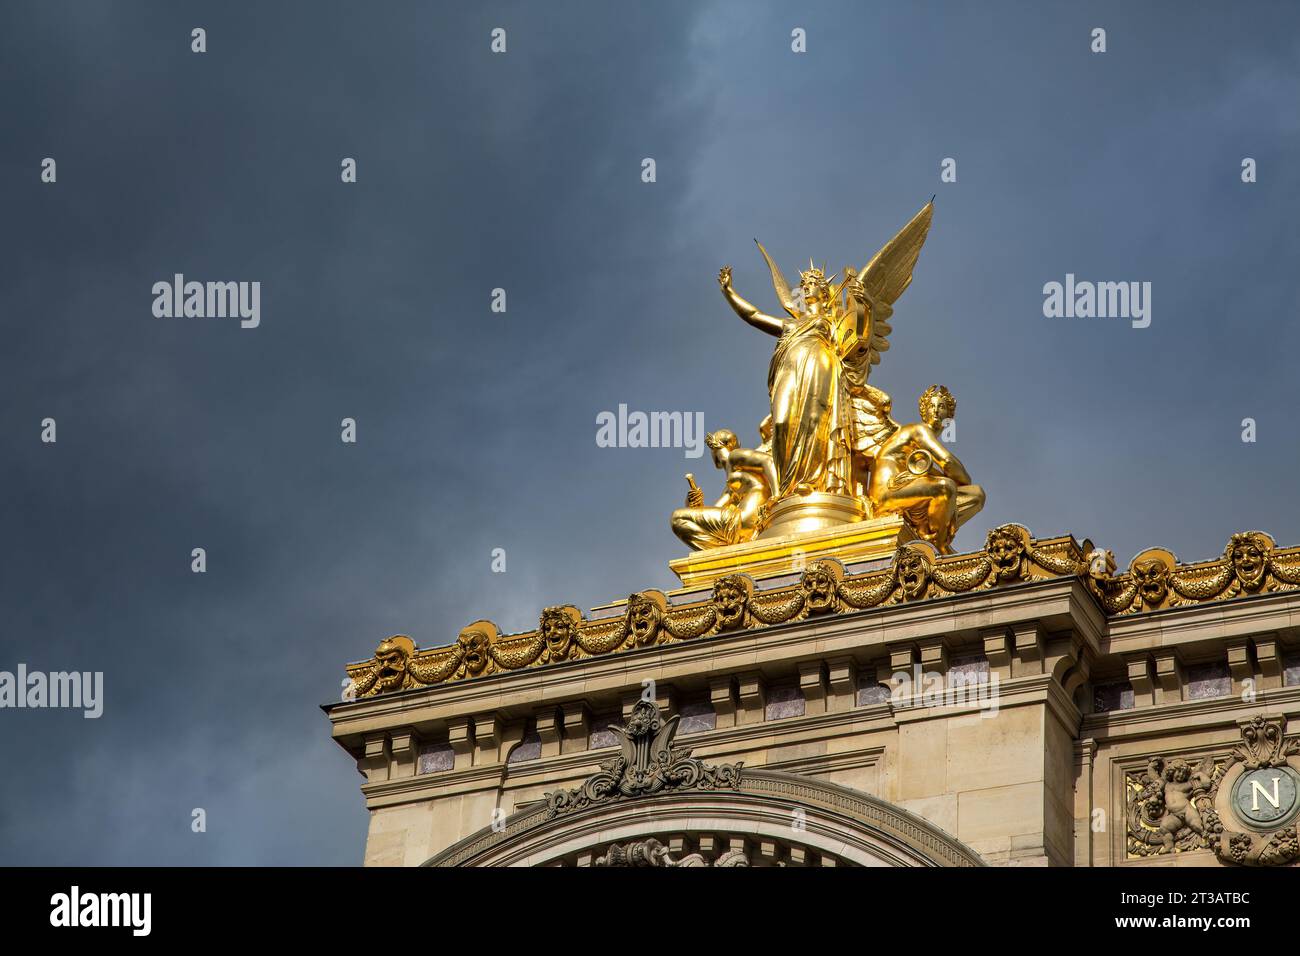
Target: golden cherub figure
{"type": "Point", "coordinates": [915, 476]}
{"type": "Point", "coordinates": [751, 479]}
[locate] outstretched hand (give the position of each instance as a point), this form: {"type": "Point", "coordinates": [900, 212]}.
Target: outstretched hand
{"type": "Point", "coordinates": [856, 290]}
{"type": "Point", "coordinates": [724, 278]}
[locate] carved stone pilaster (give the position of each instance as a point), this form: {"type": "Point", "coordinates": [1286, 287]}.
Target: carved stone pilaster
{"type": "Point", "coordinates": [487, 739]}
{"type": "Point", "coordinates": [1029, 649]}
{"type": "Point", "coordinates": [404, 747]}
{"type": "Point", "coordinates": [813, 685]}
{"type": "Point", "coordinates": [722, 694]}
{"type": "Point", "coordinates": [1141, 677]}
{"type": "Point", "coordinates": [1241, 665]}
{"type": "Point", "coordinates": [577, 726]}
{"type": "Point", "coordinates": [1268, 653]}
{"type": "Point", "coordinates": [460, 735]}
{"type": "Point", "coordinates": [752, 691]}
{"type": "Point", "coordinates": [375, 757]}
{"type": "Point", "coordinates": [998, 644]}
{"type": "Point", "coordinates": [842, 679]}
{"type": "Point", "coordinates": [1169, 677]}
{"type": "Point", "coordinates": [934, 656]}
{"type": "Point", "coordinates": [548, 729]}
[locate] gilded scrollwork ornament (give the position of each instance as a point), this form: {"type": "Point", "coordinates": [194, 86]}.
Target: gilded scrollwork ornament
{"type": "Point", "coordinates": [870, 590]}
{"type": "Point", "coordinates": [1250, 565]}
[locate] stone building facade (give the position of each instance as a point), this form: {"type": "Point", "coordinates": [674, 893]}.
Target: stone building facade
{"type": "Point", "coordinates": [1020, 705]}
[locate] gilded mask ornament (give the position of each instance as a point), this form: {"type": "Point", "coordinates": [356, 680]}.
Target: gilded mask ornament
{"type": "Point", "coordinates": [730, 599]}
{"type": "Point", "coordinates": [1249, 553]}
{"type": "Point", "coordinates": [913, 571]}
{"type": "Point", "coordinates": [559, 628]}
{"type": "Point", "coordinates": [645, 616]}
{"type": "Point", "coordinates": [473, 646]}
{"type": "Point", "coordinates": [1005, 547]}
{"type": "Point", "coordinates": [1152, 580]}
{"type": "Point", "coordinates": [390, 662]}
{"type": "Point", "coordinates": [819, 583]}
{"type": "Point", "coordinates": [1250, 564]}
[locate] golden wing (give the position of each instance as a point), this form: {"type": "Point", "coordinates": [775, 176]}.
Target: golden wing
{"type": "Point", "coordinates": [888, 275]}
{"type": "Point", "coordinates": [783, 293]}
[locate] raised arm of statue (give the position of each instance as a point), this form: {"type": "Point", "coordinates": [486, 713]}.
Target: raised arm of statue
{"type": "Point", "coordinates": [853, 328]}
{"type": "Point", "coordinates": [746, 310]}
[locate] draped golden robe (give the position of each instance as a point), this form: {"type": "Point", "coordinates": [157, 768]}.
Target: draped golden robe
{"type": "Point", "coordinates": [811, 412]}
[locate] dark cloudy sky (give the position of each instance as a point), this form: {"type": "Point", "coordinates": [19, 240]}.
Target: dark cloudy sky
{"type": "Point", "coordinates": [477, 430]}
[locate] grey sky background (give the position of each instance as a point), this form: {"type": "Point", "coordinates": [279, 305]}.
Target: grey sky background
{"type": "Point", "coordinates": [477, 430]}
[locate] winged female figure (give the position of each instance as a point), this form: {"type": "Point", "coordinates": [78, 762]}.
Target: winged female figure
{"type": "Point", "coordinates": [827, 421]}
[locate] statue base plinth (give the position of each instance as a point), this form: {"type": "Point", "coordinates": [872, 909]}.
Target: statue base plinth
{"type": "Point", "coordinates": [799, 514]}
{"type": "Point", "coordinates": [865, 539]}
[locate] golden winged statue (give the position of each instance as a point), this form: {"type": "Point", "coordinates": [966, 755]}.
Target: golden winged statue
{"type": "Point", "coordinates": [827, 420]}
{"type": "Point", "coordinates": [833, 452]}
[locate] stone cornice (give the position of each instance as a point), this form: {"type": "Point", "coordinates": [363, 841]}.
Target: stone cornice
{"type": "Point", "coordinates": [1250, 569]}
{"type": "Point", "coordinates": [730, 741]}
{"type": "Point", "coordinates": [1242, 617]}
{"type": "Point", "coordinates": [916, 575]}
{"type": "Point", "coordinates": [862, 635]}
{"type": "Point", "coordinates": [1211, 712]}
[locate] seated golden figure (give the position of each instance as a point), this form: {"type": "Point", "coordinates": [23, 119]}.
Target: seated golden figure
{"type": "Point", "coordinates": [915, 476]}
{"type": "Point", "coordinates": [751, 481]}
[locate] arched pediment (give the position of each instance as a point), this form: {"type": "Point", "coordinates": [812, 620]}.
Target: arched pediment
{"type": "Point", "coordinates": [655, 805]}
{"type": "Point", "coordinates": [771, 819]}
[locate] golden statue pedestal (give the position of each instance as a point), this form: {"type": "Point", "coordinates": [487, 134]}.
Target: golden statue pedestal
{"type": "Point", "coordinates": [772, 554]}
{"type": "Point", "coordinates": [816, 511]}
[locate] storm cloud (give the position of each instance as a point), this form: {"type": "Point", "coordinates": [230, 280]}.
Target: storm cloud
{"type": "Point", "coordinates": [476, 430]}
